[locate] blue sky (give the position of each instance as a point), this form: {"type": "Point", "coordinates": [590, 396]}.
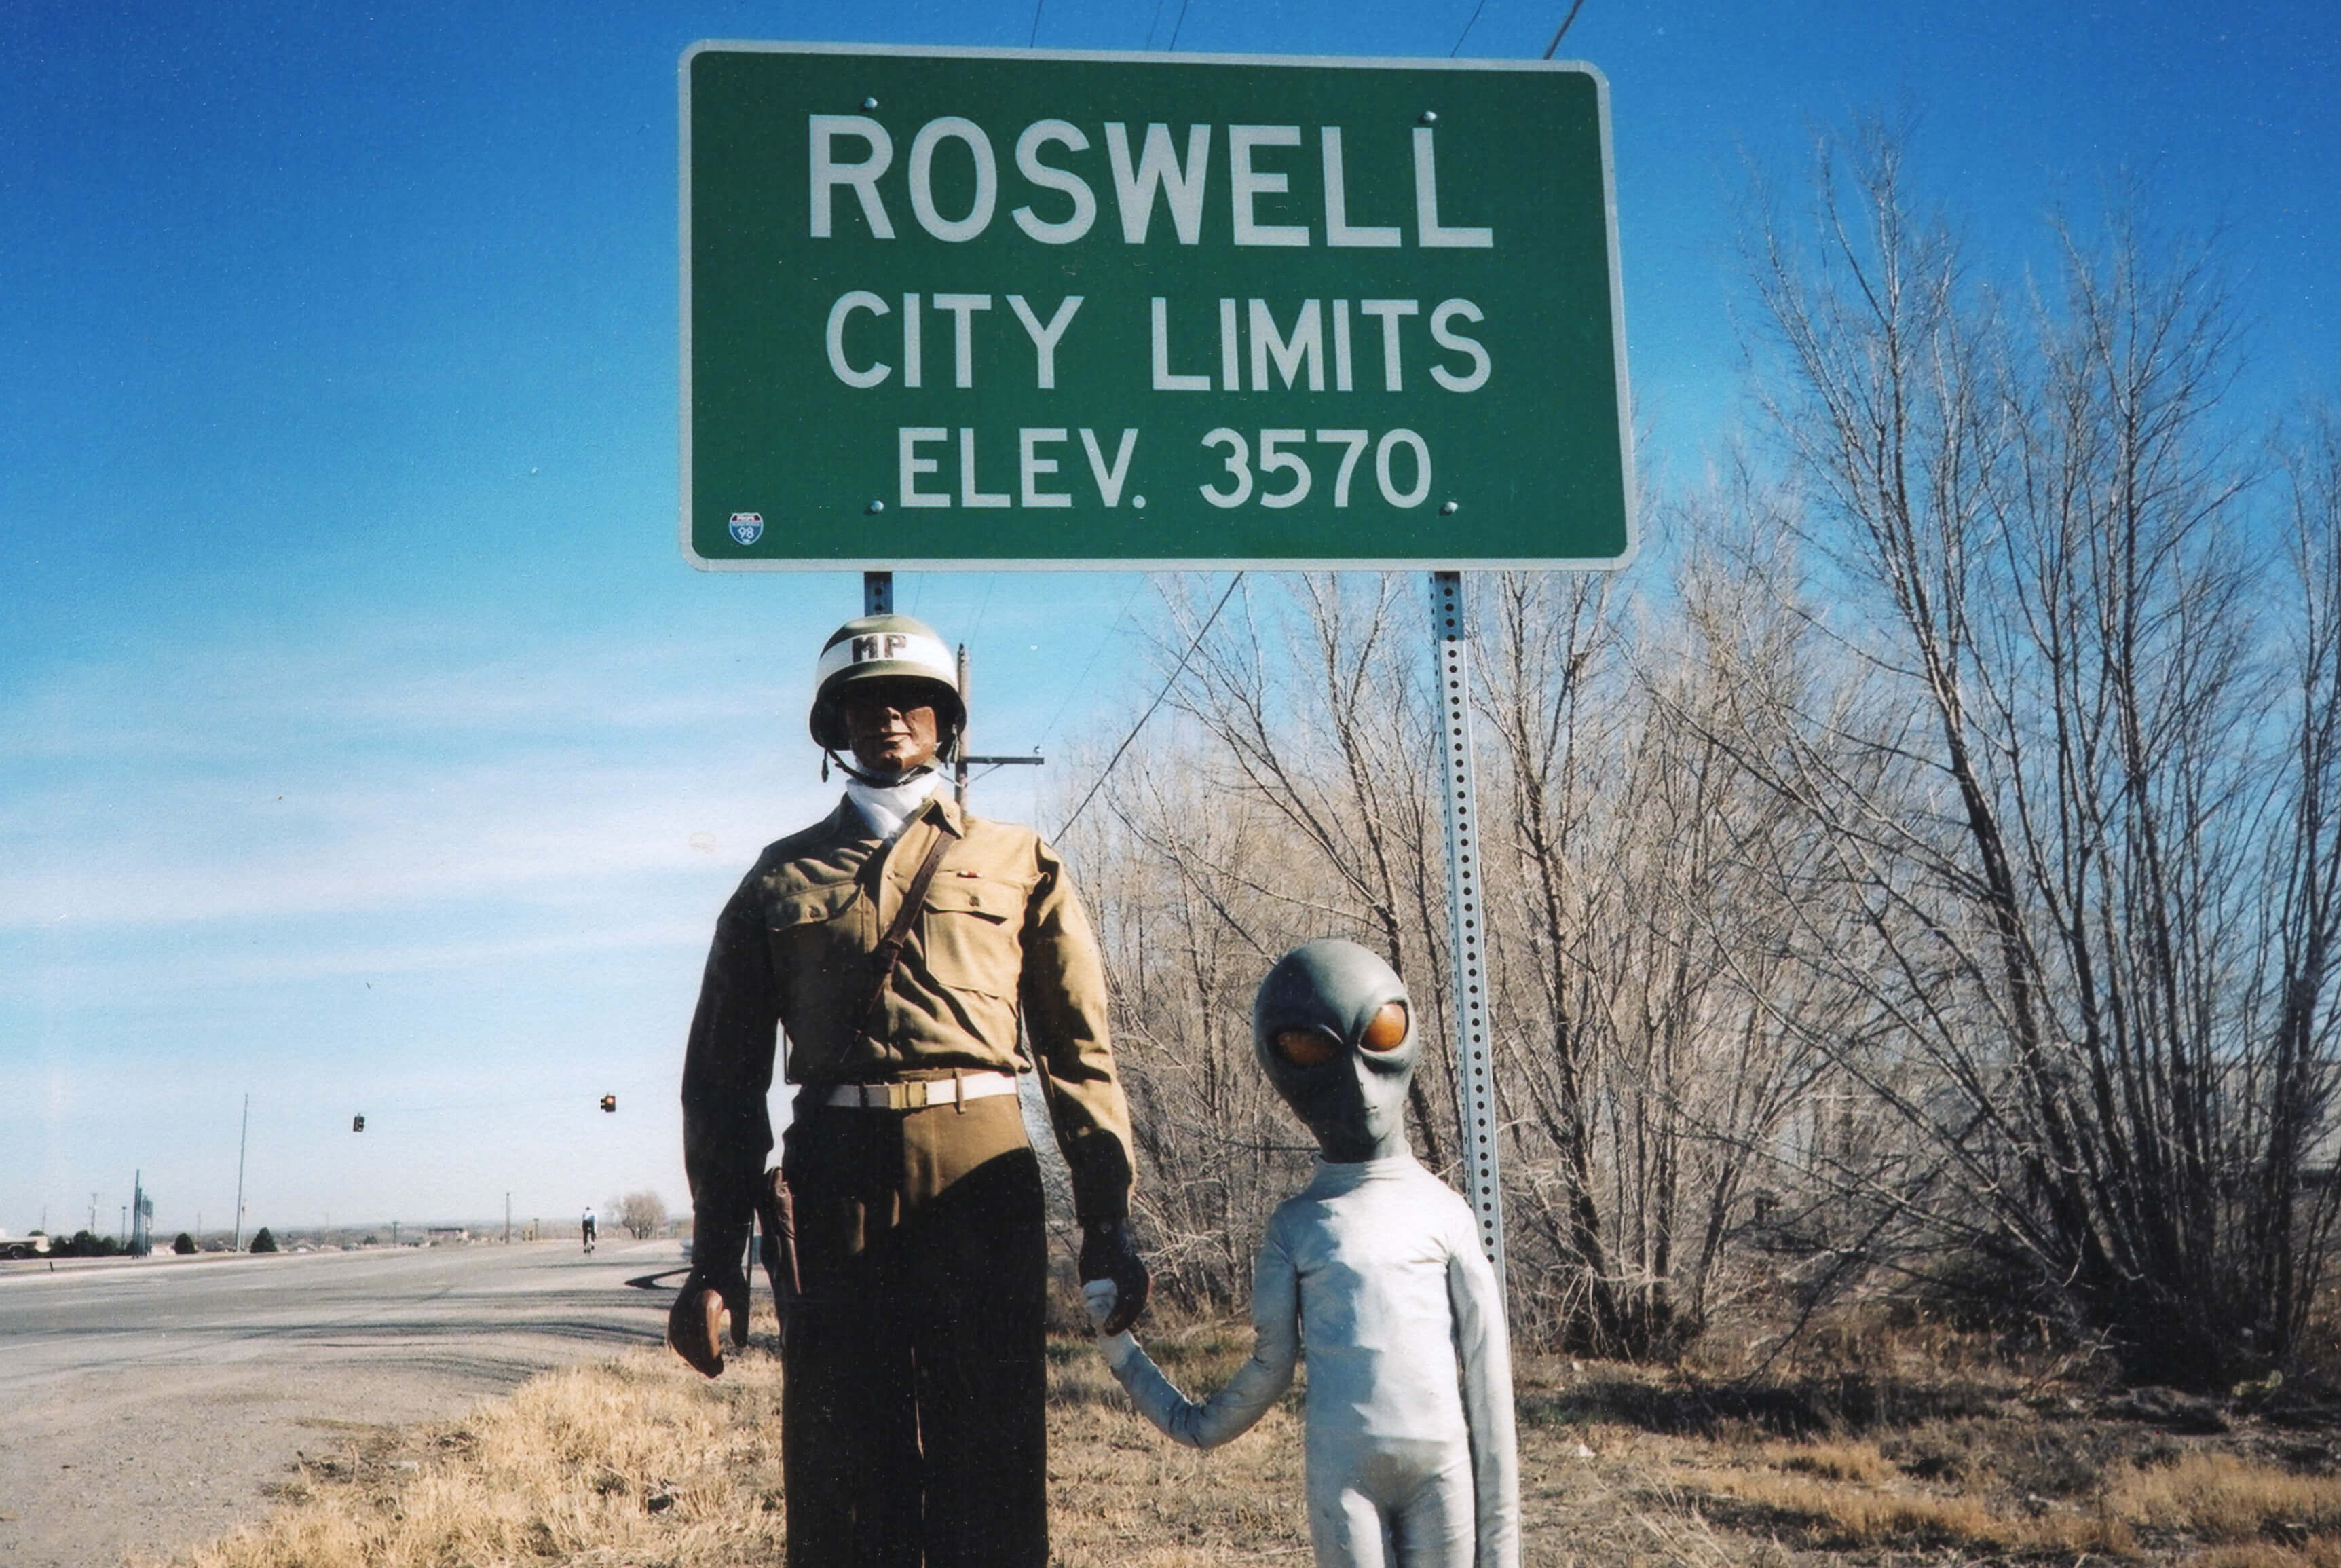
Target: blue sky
{"type": "Point", "coordinates": [366, 743]}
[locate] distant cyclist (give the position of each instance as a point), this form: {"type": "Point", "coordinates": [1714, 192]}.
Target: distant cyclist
{"type": "Point", "coordinates": [588, 1227]}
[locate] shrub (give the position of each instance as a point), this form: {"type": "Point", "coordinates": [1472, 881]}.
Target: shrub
{"type": "Point", "coordinates": [85, 1246]}
{"type": "Point", "coordinates": [262, 1241]}
{"type": "Point", "coordinates": [185, 1245]}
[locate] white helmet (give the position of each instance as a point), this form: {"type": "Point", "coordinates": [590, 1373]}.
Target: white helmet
{"type": "Point", "coordinates": [884, 647]}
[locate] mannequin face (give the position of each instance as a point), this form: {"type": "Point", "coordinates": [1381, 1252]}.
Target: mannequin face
{"type": "Point", "coordinates": [891, 725]}
{"type": "Point", "coordinates": [1334, 1030]}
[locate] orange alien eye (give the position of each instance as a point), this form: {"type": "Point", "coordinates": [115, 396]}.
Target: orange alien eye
{"type": "Point", "coordinates": [1305, 1047]}
{"type": "Point", "coordinates": [1388, 1031]}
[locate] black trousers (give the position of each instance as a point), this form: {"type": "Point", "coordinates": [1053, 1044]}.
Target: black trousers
{"type": "Point", "coordinates": [914, 1431]}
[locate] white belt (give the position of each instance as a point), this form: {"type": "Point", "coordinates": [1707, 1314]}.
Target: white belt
{"type": "Point", "coordinates": [920, 1094]}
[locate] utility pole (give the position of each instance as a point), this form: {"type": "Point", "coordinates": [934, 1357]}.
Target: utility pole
{"type": "Point", "coordinates": [959, 763]}
{"type": "Point", "coordinates": [507, 1219]}
{"type": "Point", "coordinates": [235, 1243]}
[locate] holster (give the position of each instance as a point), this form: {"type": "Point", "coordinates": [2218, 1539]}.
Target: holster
{"type": "Point", "coordinates": [776, 1213]}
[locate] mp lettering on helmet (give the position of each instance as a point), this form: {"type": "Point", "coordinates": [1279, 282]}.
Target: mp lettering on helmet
{"type": "Point", "coordinates": [879, 645]}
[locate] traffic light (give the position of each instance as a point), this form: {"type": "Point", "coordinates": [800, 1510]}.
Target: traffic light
{"type": "Point", "coordinates": [609, 1102]}
{"type": "Point", "coordinates": [357, 1124]}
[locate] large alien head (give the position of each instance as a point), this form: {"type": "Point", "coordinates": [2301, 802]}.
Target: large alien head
{"type": "Point", "coordinates": [1334, 1032]}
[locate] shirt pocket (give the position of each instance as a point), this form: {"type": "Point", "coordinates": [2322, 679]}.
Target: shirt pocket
{"type": "Point", "coordinates": [800, 905]}
{"type": "Point", "coordinates": [810, 928]}
{"type": "Point", "coordinates": [972, 933]}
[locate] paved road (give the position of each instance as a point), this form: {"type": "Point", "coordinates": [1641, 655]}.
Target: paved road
{"type": "Point", "coordinates": [146, 1404]}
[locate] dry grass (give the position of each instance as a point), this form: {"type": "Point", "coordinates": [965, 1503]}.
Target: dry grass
{"type": "Point", "coordinates": [639, 1462]}
{"type": "Point", "coordinates": [1863, 1516]}
{"type": "Point", "coordinates": [633, 1460]}
{"type": "Point", "coordinates": [2220, 1497]}
{"type": "Point", "coordinates": [1841, 1495]}
{"type": "Point", "coordinates": [2322, 1552]}
{"type": "Point", "coordinates": [1859, 1462]}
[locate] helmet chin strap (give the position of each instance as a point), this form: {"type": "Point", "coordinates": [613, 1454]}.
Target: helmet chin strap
{"type": "Point", "coordinates": [875, 780]}
{"type": "Point", "coordinates": [944, 751]}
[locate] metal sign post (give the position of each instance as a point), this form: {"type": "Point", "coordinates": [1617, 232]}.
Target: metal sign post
{"type": "Point", "coordinates": [1475, 1087]}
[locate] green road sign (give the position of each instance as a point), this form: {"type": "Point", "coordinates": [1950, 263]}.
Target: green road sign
{"type": "Point", "coordinates": [983, 308]}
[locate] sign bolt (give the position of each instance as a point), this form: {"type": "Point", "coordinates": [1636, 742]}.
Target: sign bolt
{"type": "Point", "coordinates": [875, 508]}
{"type": "Point", "coordinates": [1430, 117]}
{"type": "Point", "coordinates": [1449, 508]}
{"type": "Point", "coordinates": [869, 103]}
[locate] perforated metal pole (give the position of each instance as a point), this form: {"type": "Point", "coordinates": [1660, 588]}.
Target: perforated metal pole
{"type": "Point", "coordinates": [877, 593]}
{"type": "Point", "coordinates": [1475, 1087]}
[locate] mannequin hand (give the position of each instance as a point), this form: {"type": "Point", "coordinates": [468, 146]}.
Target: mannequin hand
{"type": "Point", "coordinates": [696, 1323]}
{"type": "Point", "coordinates": [1108, 1254]}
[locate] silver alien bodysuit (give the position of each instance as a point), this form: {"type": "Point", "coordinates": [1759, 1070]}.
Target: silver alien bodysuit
{"type": "Point", "coordinates": [1375, 1267]}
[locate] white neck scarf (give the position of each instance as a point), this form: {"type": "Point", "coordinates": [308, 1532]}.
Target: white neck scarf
{"type": "Point", "coordinates": [888, 807]}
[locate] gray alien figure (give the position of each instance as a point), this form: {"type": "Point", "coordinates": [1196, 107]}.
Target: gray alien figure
{"type": "Point", "coordinates": [1375, 1267]}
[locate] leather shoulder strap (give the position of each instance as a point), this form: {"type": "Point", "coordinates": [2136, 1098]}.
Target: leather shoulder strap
{"type": "Point", "coordinates": [889, 950]}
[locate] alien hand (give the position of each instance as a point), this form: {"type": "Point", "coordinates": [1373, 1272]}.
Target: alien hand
{"type": "Point", "coordinates": [1108, 1254]}
{"type": "Point", "coordinates": [1098, 1297]}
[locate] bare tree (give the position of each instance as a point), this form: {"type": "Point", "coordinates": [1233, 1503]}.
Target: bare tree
{"type": "Point", "coordinates": [1939, 872]}
{"type": "Point", "coordinates": [1192, 911]}
{"type": "Point", "coordinates": [1644, 1073]}
{"type": "Point", "coordinates": [2099, 853]}
{"type": "Point", "coordinates": [1644, 931]}
{"type": "Point", "coordinates": [1319, 716]}
{"type": "Point", "coordinates": [642, 1214]}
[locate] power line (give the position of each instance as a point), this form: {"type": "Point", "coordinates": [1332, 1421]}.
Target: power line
{"type": "Point", "coordinates": [1575, 6]}
{"type": "Point", "coordinates": [1176, 26]}
{"type": "Point", "coordinates": [1148, 713]}
{"type": "Point", "coordinates": [1036, 23]}
{"type": "Point", "coordinates": [1474, 22]}
{"type": "Point", "coordinates": [1097, 652]}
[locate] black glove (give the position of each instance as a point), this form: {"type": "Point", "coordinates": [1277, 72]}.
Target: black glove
{"type": "Point", "coordinates": [716, 1287]}
{"type": "Point", "coordinates": [1108, 1254]}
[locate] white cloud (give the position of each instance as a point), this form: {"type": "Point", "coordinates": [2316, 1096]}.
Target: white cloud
{"type": "Point", "coordinates": [355, 780]}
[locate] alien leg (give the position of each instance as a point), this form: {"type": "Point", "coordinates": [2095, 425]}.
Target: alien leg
{"type": "Point", "coordinates": [1390, 1502]}
{"type": "Point", "coordinates": [1436, 1525]}
{"type": "Point", "coordinates": [1344, 1525]}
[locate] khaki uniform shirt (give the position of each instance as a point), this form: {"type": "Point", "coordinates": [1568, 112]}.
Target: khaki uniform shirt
{"type": "Point", "coordinates": [1001, 936]}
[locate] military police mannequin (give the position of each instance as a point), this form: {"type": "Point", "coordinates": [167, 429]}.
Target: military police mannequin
{"type": "Point", "coordinates": [1375, 1267]}
{"type": "Point", "coordinates": [912, 1421]}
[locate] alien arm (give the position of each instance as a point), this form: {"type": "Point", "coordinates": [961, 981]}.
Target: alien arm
{"type": "Point", "coordinates": [1483, 1351]}
{"type": "Point", "coordinates": [1257, 1384]}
